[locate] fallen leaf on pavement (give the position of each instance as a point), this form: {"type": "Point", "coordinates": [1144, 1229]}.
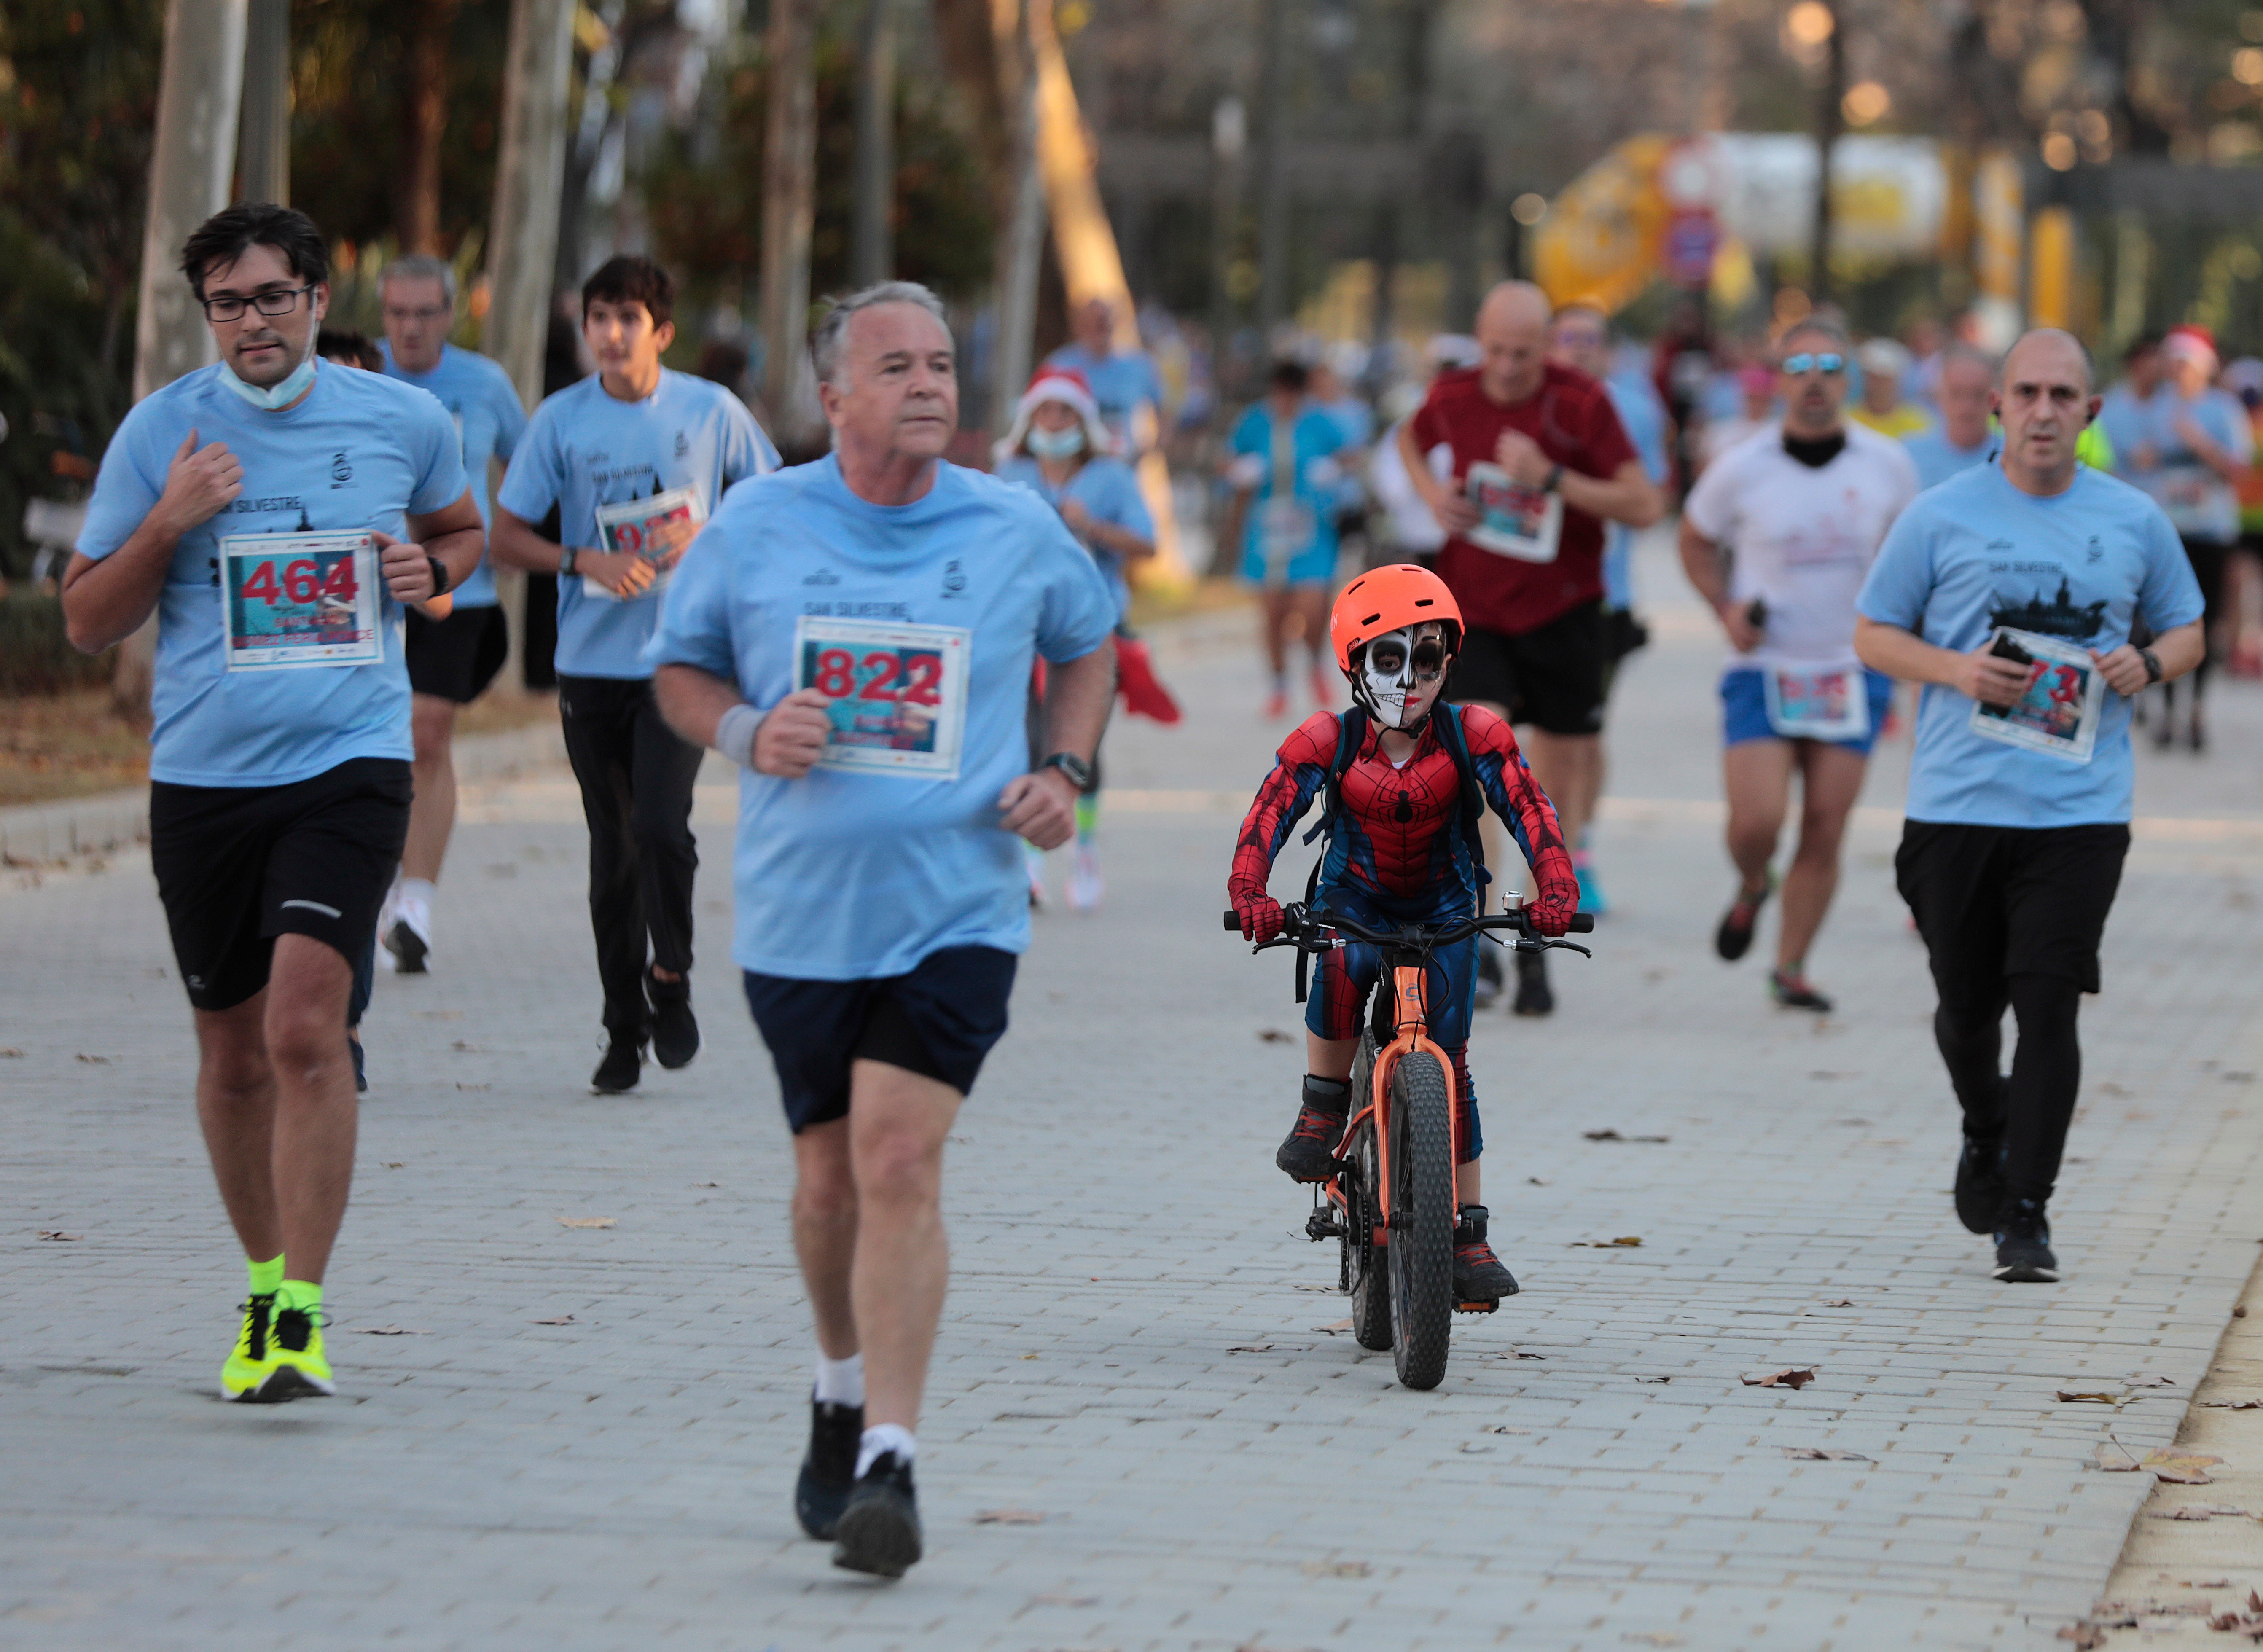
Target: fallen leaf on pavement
{"type": "Point", "coordinates": [1627, 1242]}
{"type": "Point", "coordinates": [2201, 1511]}
{"type": "Point", "coordinates": [1613, 1136]}
{"type": "Point", "coordinates": [1536, 1182]}
{"type": "Point", "coordinates": [2150, 1382]}
{"type": "Point", "coordinates": [2115, 1460]}
{"type": "Point", "coordinates": [1273, 1035]}
{"type": "Point", "coordinates": [1247, 1347]}
{"type": "Point", "coordinates": [96, 1061]}
{"type": "Point", "coordinates": [1797, 1376]}
{"type": "Point", "coordinates": [391, 1331]}
{"type": "Point", "coordinates": [2179, 1470]}
{"type": "Point", "coordinates": [2077, 1396]}
{"type": "Point", "coordinates": [1337, 1569]}
{"type": "Point", "coordinates": [1330, 1289]}
{"type": "Point", "coordinates": [1653, 1378]}
{"type": "Point", "coordinates": [1009, 1517]}
{"type": "Point", "coordinates": [1334, 1328]}
{"type": "Point", "coordinates": [587, 1222]}
{"type": "Point", "coordinates": [11, 1053]}
{"type": "Point", "coordinates": [562, 1319]}
{"type": "Point", "coordinates": [57, 1234]}
{"type": "Point", "coordinates": [468, 1049]}
{"type": "Point", "coordinates": [2233, 1405]}
{"type": "Point", "coordinates": [2083, 1634]}
{"type": "Point", "coordinates": [1816, 1453]}
{"type": "Point", "coordinates": [393, 1164]}
{"type": "Point", "coordinates": [1839, 1302]}
{"type": "Point", "coordinates": [2211, 1582]}
{"type": "Point", "coordinates": [475, 1086]}
{"type": "Point", "coordinates": [1503, 1428]}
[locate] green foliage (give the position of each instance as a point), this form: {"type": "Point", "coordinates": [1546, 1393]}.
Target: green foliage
{"type": "Point", "coordinates": [79, 97]}
{"type": "Point", "coordinates": [706, 212]}
{"type": "Point", "coordinates": [35, 655]}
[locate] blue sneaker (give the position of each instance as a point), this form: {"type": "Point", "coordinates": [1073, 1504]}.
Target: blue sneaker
{"type": "Point", "coordinates": [1592, 899]}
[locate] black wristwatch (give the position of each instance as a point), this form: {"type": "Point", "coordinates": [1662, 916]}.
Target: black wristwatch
{"type": "Point", "coordinates": [1079, 771]}
{"type": "Point", "coordinates": [2152, 664]}
{"type": "Point", "coordinates": [1555, 476]}
{"type": "Point", "coordinates": [439, 575]}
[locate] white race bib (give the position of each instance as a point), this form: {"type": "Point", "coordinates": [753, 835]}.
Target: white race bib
{"type": "Point", "coordinates": [2064, 701]}
{"type": "Point", "coordinates": [629, 526]}
{"type": "Point", "coordinates": [896, 694]}
{"type": "Point", "coordinates": [1818, 702]}
{"type": "Point", "coordinates": [1514, 520]}
{"type": "Point", "coordinates": [290, 601]}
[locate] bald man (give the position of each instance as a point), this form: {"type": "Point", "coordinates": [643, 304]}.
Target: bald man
{"type": "Point", "coordinates": [1540, 463]}
{"type": "Point", "coordinates": [2009, 591]}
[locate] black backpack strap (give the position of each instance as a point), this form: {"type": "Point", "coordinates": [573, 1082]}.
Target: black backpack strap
{"type": "Point", "coordinates": [1456, 741]}
{"type": "Point", "coordinates": [1351, 734]}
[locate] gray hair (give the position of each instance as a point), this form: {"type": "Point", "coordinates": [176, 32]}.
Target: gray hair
{"type": "Point", "coordinates": [825, 344]}
{"type": "Point", "coordinates": [1815, 322]}
{"type": "Point", "coordinates": [1973, 353]}
{"type": "Point", "coordinates": [420, 266]}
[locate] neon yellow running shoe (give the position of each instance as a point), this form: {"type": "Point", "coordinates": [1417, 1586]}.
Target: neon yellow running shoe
{"type": "Point", "coordinates": [252, 1359]}
{"type": "Point", "coordinates": [296, 1366]}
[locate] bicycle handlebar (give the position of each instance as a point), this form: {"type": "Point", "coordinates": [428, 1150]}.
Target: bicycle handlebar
{"type": "Point", "coordinates": [1305, 929]}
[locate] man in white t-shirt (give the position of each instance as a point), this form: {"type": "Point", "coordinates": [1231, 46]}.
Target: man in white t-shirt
{"type": "Point", "coordinates": [1777, 535]}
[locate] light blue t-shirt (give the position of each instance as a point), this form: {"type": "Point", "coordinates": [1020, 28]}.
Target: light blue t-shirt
{"type": "Point", "coordinates": [1107, 487]}
{"type": "Point", "coordinates": [1975, 553]}
{"type": "Point", "coordinates": [584, 448]}
{"type": "Point", "coordinates": [1644, 417]}
{"type": "Point", "coordinates": [1120, 382]}
{"type": "Point", "coordinates": [360, 452]}
{"type": "Point", "coordinates": [1938, 458]}
{"type": "Point", "coordinates": [2127, 418]}
{"type": "Point", "coordinates": [1313, 442]}
{"type": "Point", "coordinates": [850, 875]}
{"type": "Point", "coordinates": [477, 394]}
{"type": "Point", "coordinates": [2200, 503]}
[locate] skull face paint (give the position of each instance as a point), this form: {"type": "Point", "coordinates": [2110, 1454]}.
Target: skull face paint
{"type": "Point", "coordinates": [1401, 674]}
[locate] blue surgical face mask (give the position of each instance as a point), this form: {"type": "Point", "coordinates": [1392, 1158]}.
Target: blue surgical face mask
{"type": "Point", "coordinates": [1056, 444]}
{"type": "Point", "coordinates": [280, 395]}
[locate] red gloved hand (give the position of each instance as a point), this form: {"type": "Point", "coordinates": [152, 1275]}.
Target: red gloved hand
{"type": "Point", "coordinates": [1559, 904]}
{"type": "Point", "coordinates": [1261, 917]}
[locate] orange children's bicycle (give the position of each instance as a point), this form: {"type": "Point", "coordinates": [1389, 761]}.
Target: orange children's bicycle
{"type": "Point", "coordinates": [1392, 1202]}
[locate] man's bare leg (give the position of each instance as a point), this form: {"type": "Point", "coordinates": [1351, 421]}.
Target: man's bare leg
{"type": "Point", "coordinates": [432, 815]}
{"type": "Point", "coordinates": [315, 1114]}
{"type": "Point", "coordinates": [1831, 779]}
{"type": "Point", "coordinates": [1570, 769]}
{"type": "Point", "coordinates": [235, 1107]}
{"type": "Point", "coordinates": [1756, 774]}
{"type": "Point", "coordinates": [1274, 609]}
{"type": "Point", "coordinates": [897, 1123]}
{"type": "Point", "coordinates": [825, 1232]}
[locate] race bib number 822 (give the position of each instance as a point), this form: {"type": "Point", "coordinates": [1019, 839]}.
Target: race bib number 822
{"type": "Point", "coordinates": [896, 694]}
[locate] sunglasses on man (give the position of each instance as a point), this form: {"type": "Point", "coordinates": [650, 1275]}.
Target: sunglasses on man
{"type": "Point", "coordinates": [1828, 363]}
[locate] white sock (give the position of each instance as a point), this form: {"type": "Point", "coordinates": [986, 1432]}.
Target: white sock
{"type": "Point", "coordinates": [886, 1437]}
{"type": "Point", "coordinates": [417, 892]}
{"type": "Point", "coordinates": [841, 1381]}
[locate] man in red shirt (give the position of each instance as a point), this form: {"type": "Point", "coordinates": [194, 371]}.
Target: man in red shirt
{"type": "Point", "coordinates": [1541, 462]}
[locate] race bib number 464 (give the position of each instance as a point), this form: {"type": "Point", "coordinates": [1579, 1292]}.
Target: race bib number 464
{"type": "Point", "coordinates": [896, 694]}
{"type": "Point", "coordinates": [295, 600]}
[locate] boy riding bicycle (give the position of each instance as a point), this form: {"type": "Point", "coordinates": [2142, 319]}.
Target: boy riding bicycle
{"type": "Point", "coordinates": [1406, 777]}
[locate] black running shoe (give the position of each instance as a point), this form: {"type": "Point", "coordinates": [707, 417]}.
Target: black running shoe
{"type": "Point", "coordinates": [1980, 1184]}
{"type": "Point", "coordinates": [2023, 1252]}
{"type": "Point", "coordinates": [1796, 991]}
{"type": "Point", "coordinates": [1534, 996]}
{"type": "Point", "coordinates": [1479, 1275]}
{"type": "Point", "coordinates": [1734, 938]}
{"type": "Point", "coordinates": [1309, 1152]}
{"type": "Point", "coordinates": [1489, 976]}
{"type": "Point", "coordinates": [675, 1033]}
{"type": "Point", "coordinates": [623, 1064]}
{"type": "Point", "coordinates": [879, 1530]}
{"type": "Point", "coordinates": [828, 1472]}
{"type": "Point", "coordinates": [408, 949]}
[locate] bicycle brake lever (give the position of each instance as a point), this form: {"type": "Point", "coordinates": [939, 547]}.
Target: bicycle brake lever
{"type": "Point", "coordinates": [1567, 946]}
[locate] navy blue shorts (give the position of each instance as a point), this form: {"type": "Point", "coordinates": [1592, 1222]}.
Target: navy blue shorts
{"type": "Point", "coordinates": [939, 1021]}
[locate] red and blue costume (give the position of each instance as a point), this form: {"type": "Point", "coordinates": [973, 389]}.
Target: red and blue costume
{"type": "Point", "coordinates": [1396, 853]}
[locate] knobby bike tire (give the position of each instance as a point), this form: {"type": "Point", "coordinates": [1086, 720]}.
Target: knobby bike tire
{"type": "Point", "coordinates": [1364, 1274]}
{"type": "Point", "coordinates": [1421, 1248]}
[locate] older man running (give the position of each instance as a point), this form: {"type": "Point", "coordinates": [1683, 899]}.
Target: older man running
{"type": "Point", "coordinates": [857, 635]}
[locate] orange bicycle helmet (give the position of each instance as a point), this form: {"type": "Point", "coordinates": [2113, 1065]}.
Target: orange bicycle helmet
{"type": "Point", "coordinates": [1388, 599]}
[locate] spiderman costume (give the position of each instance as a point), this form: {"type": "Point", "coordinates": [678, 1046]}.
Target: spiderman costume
{"type": "Point", "coordinates": [1397, 854]}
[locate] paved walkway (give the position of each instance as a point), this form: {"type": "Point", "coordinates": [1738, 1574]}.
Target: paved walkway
{"type": "Point", "coordinates": [558, 1437]}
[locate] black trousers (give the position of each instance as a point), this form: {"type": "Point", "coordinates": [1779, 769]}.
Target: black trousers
{"type": "Point", "coordinates": [636, 778]}
{"type": "Point", "coordinates": [2012, 917]}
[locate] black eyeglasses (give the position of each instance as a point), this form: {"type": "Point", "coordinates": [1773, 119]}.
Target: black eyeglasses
{"type": "Point", "coordinates": [275, 301]}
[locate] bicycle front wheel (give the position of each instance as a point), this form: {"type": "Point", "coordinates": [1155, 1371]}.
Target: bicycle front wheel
{"type": "Point", "coordinates": [1364, 1276]}
{"type": "Point", "coordinates": [1421, 1246]}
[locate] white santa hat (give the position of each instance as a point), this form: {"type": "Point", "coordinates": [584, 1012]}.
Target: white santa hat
{"type": "Point", "coordinates": [1069, 387]}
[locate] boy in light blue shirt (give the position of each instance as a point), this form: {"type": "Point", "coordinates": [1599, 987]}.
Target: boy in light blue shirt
{"type": "Point", "coordinates": [2010, 592]}
{"type": "Point", "coordinates": [451, 660]}
{"type": "Point", "coordinates": [276, 514]}
{"type": "Point", "coordinates": [858, 636]}
{"type": "Point", "coordinates": [634, 431]}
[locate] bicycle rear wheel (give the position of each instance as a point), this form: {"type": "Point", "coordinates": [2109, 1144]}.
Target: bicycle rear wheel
{"type": "Point", "coordinates": [1422, 1250]}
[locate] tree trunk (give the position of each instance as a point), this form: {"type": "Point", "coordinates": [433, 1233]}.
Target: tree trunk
{"type": "Point", "coordinates": [874, 256]}
{"type": "Point", "coordinates": [1830, 120]}
{"type": "Point", "coordinates": [423, 118]}
{"type": "Point", "coordinates": [263, 150]}
{"type": "Point", "coordinates": [789, 209]}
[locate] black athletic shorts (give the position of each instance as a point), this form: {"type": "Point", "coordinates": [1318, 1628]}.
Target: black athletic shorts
{"type": "Point", "coordinates": [1993, 902]}
{"type": "Point", "coordinates": [1551, 677]}
{"type": "Point", "coordinates": [939, 1021]}
{"type": "Point", "coordinates": [239, 865]}
{"type": "Point", "coordinates": [456, 658]}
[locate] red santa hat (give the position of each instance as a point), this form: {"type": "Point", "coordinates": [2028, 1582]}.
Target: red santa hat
{"type": "Point", "coordinates": [2190, 343]}
{"type": "Point", "coordinates": [1069, 387]}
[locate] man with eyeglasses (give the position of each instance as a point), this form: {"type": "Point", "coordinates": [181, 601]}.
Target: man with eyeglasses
{"type": "Point", "coordinates": [276, 515]}
{"type": "Point", "coordinates": [1777, 537]}
{"type": "Point", "coordinates": [2010, 592]}
{"type": "Point", "coordinates": [451, 660]}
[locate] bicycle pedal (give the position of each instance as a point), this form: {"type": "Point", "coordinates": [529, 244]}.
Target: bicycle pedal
{"type": "Point", "coordinates": [1323, 1224]}
{"type": "Point", "coordinates": [1475, 1307]}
